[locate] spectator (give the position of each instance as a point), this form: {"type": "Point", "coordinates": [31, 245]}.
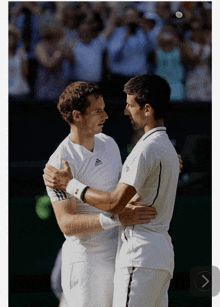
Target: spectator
{"type": "Point", "coordinates": [194, 23]}
{"type": "Point", "coordinates": [48, 7]}
{"type": "Point", "coordinates": [197, 9]}
{"type": "Point", "coordinates": [26, 16]}
{"type": "Point", "coordinates": [127, 51]}
{"type": "Point", "coordinates": [12, 7]}
{"type": "Point", "coordinates": [103, 9]}
{"type": "Point", "coordinates": [18, 66]}
{"type": "Point", "coordinates": [168, 61]}
{"type": "Point", "coordinates": [51, 53]}
{"type": "Point", "coordinates": [146, 6]}
{"type": "Point", "coordinates": [89, 48]}
{"type": "Point", "coordinates": [153, 22]}
{"type": "Point", "coordinates": [70, 20]}
{"type": "Point", "coordinates": [197, 15]}
{"type": "Point", "coordinates": [163, 11]}
{"type": "Point", "coordinates": [84, 7]}
{"type": "Point", "coordinates": [149, 25]}
{"type": "Point", "coordinates": [150, 6]}
{"type": "Point", "coordinates": [166, 12]}
{"type": "Point", "coordinates": [70, 16]}
{"type": "Point", "coordinates": [198, 52]}
{"type": "Point", "coordinates": [96, 23]}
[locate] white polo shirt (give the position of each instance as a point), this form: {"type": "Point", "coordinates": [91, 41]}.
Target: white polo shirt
{"type": "Point", "coordinates": [100, 170]}
{"type": "Point", "coordinates": [152, 168]}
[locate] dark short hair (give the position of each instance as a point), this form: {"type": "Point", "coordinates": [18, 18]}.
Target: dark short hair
{"type": "Point", "coordinates": [75, 97]}
{"type": "Point", "coordinates": [150, 89]}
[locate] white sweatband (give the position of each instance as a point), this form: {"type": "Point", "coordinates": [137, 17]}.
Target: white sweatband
{"type": "Point", "coordinates": [107, 221]}
{"type": "Point", "coordinates": [75, 188]}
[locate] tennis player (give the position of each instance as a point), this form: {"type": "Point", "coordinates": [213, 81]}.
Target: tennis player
{"type": "Point", "coordinates": [145, 256]}
{"type": "Point", "coordinates": [89, 251]}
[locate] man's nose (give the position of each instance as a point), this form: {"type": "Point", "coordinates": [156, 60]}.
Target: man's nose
{"type": "Point", "coordinates": [105, 115]}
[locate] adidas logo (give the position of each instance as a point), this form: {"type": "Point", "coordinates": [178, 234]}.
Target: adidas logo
{"type": "Point", "coordinates": [98, 162]}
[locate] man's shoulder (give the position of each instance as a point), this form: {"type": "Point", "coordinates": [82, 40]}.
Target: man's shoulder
{"type": "Point", "coordinates": [158, 146]}
{"type": "Point", "coordinates": [59, 153]}
{"type": "Point", "coordinates": [103, 137]}
{"type": "Point", "coordinates": [149, 148]}
{"type": "Point", "coordinates": [106, 141]}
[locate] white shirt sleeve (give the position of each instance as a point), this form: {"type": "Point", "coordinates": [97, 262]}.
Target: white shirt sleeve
{"type": "Point", "coordinates": [137, 168]}
{"type": "Point", "coordinates": [56, 195]}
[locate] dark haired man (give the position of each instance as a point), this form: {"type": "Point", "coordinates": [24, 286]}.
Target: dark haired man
{"type": "Point", "coordinates": [145, 258]}
{"type": "Point", "coordinates": [88, 253]}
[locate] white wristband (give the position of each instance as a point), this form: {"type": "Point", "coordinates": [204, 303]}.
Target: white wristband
{"type": "Point", "coordinates": [75, 188]}
{"type": "Point", "coordinates": [107, 221]}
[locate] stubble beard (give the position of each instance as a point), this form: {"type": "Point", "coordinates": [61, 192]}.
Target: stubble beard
{"type": "Point", "coordinates": [135, 126]}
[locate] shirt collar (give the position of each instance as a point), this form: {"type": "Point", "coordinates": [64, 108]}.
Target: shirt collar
{"type": "Point", "coordinates": [148, 133]}
{"type": "Point", "coordinates": [82, 149]}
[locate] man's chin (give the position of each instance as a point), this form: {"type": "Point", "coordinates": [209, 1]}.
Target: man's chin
{"type": "Point", "coordinates": [135, 127]}
{"type": "Point", "coordinates": [99, 130]}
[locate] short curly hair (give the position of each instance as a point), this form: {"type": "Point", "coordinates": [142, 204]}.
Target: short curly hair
{"type": "Point", "coordinates": [75, 97]}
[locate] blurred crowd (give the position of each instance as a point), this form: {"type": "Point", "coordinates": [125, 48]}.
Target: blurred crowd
{"type": "Point", "coordinates": [54, 43]}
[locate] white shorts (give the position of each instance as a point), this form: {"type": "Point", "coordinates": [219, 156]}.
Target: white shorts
{"type": "Point", "coordinates": [88, 283]}
{"type": "Point", "coordinates": [141, 287]}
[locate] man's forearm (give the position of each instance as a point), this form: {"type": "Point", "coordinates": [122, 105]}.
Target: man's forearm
{"type": "Point", "coordinates": [72, 223]}
{"type": "Point", "coordinates": [80, 225]}
{"type": "Point", "coordinates": [113, 202]}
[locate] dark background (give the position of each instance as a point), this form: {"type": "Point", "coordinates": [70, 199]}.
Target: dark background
{"type": "Point", "coordinates": [36, 129]}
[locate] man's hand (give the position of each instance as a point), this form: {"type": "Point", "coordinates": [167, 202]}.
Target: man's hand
{"type": "Point", "coordinates": [181, 162]}
{"type": "Point", "coordinates": [137, 214]}
{"type": "Point", "coordinates": [57, 179]}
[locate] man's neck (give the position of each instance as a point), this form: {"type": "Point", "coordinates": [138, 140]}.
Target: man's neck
{"type": "Point", "coordinates": [154, 124]}
{"type": "Point", "coordinates": [81, 138]}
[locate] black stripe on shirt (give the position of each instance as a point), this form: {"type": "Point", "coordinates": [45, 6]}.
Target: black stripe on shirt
{"type": "Point", "coordinates": [158, 187]}
{"type": "Point", "coordinates": [153, 133]}
{"type": "Point", "coordinates": [129, 286]}
{"type": "Point", "coordinates": [60, 194]}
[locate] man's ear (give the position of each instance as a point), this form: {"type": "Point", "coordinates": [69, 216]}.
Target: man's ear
{"type": "Point", "coordinates": [148, 109]}
{"type": "Point", "coordinates": [77, 116]}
